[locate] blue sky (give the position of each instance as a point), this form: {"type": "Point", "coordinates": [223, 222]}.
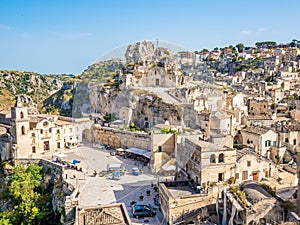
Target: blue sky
{"type": "Point", "coordinates": [68, 35]}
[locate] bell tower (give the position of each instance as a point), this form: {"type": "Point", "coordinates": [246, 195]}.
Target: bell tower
{"type": "Point", "coordinates": [20, 129]}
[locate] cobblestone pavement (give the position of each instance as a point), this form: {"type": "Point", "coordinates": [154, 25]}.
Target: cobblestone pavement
{"type": "Point", "coordinates": [102, 190]}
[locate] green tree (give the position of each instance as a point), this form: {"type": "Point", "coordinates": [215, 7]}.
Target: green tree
{"type": "Point", "coordinates": [5, 221]}
{"type": "Point", "coordinates": [240, 47]}
{"type": "Point", "coordinates": [23, 191]}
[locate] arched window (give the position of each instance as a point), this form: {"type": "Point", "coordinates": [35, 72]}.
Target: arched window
{"type": "Point", "coordinates": [221, 158]}
{"type": "Point", "coordinates": [21, 115]}
{"type": "Point", "coordinates": [22, 130]}
{"type": "Point", "coordinates": [212, 158]}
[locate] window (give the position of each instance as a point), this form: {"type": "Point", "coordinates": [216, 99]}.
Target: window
{"type": "Point", "coordinates": [245, 175]}
{"type": "Point", "coordinates": [22, 130]}
{"type": "Point", "coordinates": [32, 134]}
{"type": "Point", "coordinates": [70, 130]}
{"type": "Point", "coordinates": [294, 142]}
{"type": "Point", "coordinates": [248, 163]}
{"type": "Point", "coordinates": [33, 149]}
{"type": "Point", "coordinates": [286, 140]}
{"type": "Point", "coordinates": [221, 158]}
{"type": "Point", "coordinates": [21, 115]}
{"type": "Point", "coordinates": [237, 176]}
{"type": "Point", "coordinates": [274, 143]}
{"type": "Point", "coordinates": [50, 130]}
{"type": "Point", "coordinates": [212, 158]}
{"type": "Point", "coordinates": [57, 131]}
{"type": "Point", "coordinates": [159, 148]}
{"type": "Point", "coordinates": [221, 177]}
{"type": "Point", "coordinates": [267, 143]}
{"type": "Point", "coordinates": [58, 144]}
{"type": "Point", "coordinates": [41, 131]}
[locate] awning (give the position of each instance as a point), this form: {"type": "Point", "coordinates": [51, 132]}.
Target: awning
{"type": "Point", "coordinates": [141, 152]}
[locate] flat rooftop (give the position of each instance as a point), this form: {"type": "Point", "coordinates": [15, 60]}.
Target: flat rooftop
{"type": "Point", "coordinates": [181, 191]}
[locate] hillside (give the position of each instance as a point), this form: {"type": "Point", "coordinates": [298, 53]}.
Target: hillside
{"type": "Point", "coordinates": [38, 87]}
{"type": "Point", "coordinates": [102, 71]}
{"type": "Point", "coordinates": [78, 90]}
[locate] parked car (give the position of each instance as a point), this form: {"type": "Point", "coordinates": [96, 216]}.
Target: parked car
{"type": "Point", "coordinates": [141, 209]}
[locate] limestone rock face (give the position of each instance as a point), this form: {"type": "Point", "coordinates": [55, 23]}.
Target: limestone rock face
{"type": "Point", "coordinates": [140, 52]}
{"type": "Point", "coordinates": [28, 101]}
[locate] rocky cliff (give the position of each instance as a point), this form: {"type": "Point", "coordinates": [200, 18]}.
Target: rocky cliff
{"type": "Point", "coordinates": [33, 87]}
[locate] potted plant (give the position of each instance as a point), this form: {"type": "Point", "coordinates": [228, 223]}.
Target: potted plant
{"type": "Point", "coordinates": [148, 192]}
{"type": "Point", "coordinates": [141, 198]}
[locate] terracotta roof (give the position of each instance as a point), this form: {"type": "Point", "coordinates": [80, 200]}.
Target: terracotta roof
{"type": "Point", "coordinates": [114, 214]}
{"type": "Point", "coordinates": [255, 130]}
{"type": "Point", "coordinates": [259, 117]}
{"type": "Point", "coordinates": [62, 122]}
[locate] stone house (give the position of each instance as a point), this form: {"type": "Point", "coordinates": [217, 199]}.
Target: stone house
{"type": "Point", "coordinates": [238, 102]}
{"type": "Point", "coordinates": [258, 120]}
{"type": "Point", "coordinates": [179, 200]}
{"type": "Point", "coordinates": [288, 133]}
{"type": "Point", "coordinates": [252, 166]}
{"type": "Point", "coordinates": [259, 138]}
{"type": "Point", "coordinates": [258, 106]}
{"type": "Point", "coordinates": [222, 123]}
{"type": "Point", "coordinates": [205, 162]}
{"type": "Point", "coordinates": [159, 76]}
{"type": "Point", "coordinates": [32, 135]}
{"type": "Point", "coordinates": [277, 94]}
{"type": "Point", "coordinates": [164, 149]}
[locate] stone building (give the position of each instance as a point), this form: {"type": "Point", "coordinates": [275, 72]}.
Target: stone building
{"type": "Point", "coordinates": [259, 138]}
{"type": "Point", "coordinates": [113, 214]}
{"type": "Point", "coordinates": [251, 166]}
{"type": "Point", "coordinates": [158, 76]}
{"type": "Point", "coordinates": [259, 207]}
{"type": "Point", "coordinates": [31, 135]}
{"type": "Point", "coordinates": [180, 201]}
{"type": "Point", "coordinates": [164, 149]}
{"type": "Point", "coordinates": [205, 162]}
{"type": "Point", "coordinates": [258, 106]}
{"type": "Point", "coordinates": [288, 133]}
{"type": "Point", "coordinates": [298, 175]}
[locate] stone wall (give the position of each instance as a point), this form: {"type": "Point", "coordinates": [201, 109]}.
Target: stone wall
{"type": "Point", "coordinates": [121, 138]}
{"type": "Point", "coordinates": [176, 207]}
